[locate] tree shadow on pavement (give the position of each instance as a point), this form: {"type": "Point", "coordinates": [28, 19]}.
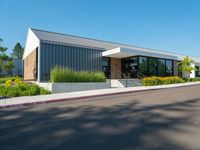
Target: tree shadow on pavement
{"type": "Point", "coordinates": [128, 126]}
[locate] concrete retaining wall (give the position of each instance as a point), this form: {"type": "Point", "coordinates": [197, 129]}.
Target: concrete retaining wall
{"type": "Point", "coordinates": [120, 83]}
{"type": "Point", "coordinates": [73, 87]}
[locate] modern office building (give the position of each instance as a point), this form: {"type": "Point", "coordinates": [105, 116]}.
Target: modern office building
{"type": "Point", "coordinates": [44, 50]}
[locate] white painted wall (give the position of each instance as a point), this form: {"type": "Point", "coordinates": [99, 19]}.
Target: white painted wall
{"type": "Point", "coordinates": [47, 86]}
{"type": "Point", "coordinates": [192, 74]}
{"type": "Point", "coordinates": [115, 83]}
{"type": "Point", "coordinates": [32, 42]}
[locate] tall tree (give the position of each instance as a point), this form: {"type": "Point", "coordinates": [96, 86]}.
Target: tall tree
{"type": "Point", "coordinates": [3, 56]}
{"type": "Point", "coordinates": [3, 51]}
{"type": "Point", "coordinates": [18, 51]}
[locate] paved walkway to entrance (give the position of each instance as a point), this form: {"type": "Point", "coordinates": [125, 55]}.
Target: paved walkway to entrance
{"type": "Point", "coordinates": [33, 100]}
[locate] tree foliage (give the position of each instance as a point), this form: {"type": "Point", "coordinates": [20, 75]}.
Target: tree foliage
{"type": "Point", "coordinates": [17, 51]}
{"type": "Point", "coordinates": [3, 50]}
{"type": "Point", "coordinates": [9, 66]}
{"type": "Point", "coordinates": [186, 65]}
{"type": "Point", "coordinates": [3, 56]}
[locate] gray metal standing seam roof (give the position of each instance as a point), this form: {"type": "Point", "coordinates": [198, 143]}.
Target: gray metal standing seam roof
{"type": "Point", "coordinates": [88, 42]}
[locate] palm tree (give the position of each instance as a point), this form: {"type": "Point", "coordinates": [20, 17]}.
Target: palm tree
{"type": "Point", "coordinates": [186, 66]}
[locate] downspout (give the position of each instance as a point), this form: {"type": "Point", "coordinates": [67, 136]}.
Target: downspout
{"type": "Point", "coordinates": [39, 64]}
{"type": "Point", "coordinates": [22, 68]}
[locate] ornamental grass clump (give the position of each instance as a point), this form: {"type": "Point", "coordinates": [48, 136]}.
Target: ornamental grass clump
{"type": "Point", "coordinates": [63, 74]}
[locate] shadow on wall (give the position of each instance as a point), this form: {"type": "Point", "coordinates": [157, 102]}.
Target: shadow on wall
{"type": "Point", "coordinates": [121, 127]}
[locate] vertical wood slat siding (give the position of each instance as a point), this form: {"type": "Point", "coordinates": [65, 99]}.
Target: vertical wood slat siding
{"type": "Point", "coordinates": [75, 58]}
{"type": "Point", "coordinates": [30, 66]}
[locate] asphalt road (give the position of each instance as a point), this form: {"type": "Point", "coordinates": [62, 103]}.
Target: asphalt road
{"type": "Point", "coordinates": [158, 120]}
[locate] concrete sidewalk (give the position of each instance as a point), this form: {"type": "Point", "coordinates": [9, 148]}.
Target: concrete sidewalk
{"type": "Point", "coordinates": [42, 99]}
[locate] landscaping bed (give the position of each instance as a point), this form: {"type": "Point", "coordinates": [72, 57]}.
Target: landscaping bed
{"type": "Point", "coordinates": [65, 80]}
{"type": "Point", "coordinates": [152, 81]}
{"type": "Point", "coordinates": [63, 75]}
{"type": "Point", "coordinates": [14, 87]}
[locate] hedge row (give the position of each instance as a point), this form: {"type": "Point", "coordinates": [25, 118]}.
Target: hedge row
{"type": "Point", "coordinates": [151, 81]}
{"type": "Point", "coordinates": [62, 74]}
{"type": "Point", "coordinates": [192, 80]}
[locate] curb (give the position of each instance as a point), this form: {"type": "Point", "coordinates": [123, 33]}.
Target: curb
{"type": "Point", "coordinates": [85, 97]}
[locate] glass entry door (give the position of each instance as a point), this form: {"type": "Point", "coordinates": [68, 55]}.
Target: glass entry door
{"type": "Point", "coordinates": [130, 67]}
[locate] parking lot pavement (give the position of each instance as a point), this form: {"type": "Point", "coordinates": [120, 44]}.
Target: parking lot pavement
{"type": "Point", "coordinates": [166, 119]}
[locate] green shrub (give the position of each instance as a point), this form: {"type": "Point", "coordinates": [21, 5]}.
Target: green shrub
{"type": "Point", "coordinates": [4, 79]}
{"type": "Point", "coordinates": [8, 83]}
{"type": "Point", "coordinates": [44, 91]}
{"type": "Point", "coordinates": [62, 74]}
{"type": "Point", "coordinates": [22, 90]}
{"type": "Point", "coordinates": [192, 79]}
{"type": "Point", "coordinates": [18, 81]}
{"type": "Point", "coordinates": [151, 81]}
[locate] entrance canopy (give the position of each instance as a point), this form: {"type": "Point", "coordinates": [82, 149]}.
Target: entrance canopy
{"type": "Point", "coordinates": [124, 52]}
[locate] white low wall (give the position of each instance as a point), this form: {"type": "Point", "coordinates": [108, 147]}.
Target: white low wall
{"type": "Point", "coordinates": [116, 84]}
{"type": "Point", "coordinates": [72, 87]}
{"type": "Point", "coordinates": [120, 83]}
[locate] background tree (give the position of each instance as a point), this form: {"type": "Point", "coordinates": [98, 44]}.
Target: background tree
{"type": "Point", "coordinates": [3, 56]}
{"type": "Point", "coordinates": [17, 51]}
{"type": "Point", "coordinates": [9, 67]}
{"type": "Point", "coordinates": [186, 66]}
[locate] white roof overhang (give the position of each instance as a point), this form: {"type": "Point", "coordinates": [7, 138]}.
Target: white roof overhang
{"type": "Point", "coordinates": [124, 52]}
{"type": "Point", "coordinates": [195, 59]}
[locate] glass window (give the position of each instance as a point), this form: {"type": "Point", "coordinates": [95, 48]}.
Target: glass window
{"type": "Point", "coordinates": [126, 65]}
{"type": "Point", "coordinates": [169, 67]}
{"type": "Point", "coordinates": [148, 66]}
{"type": "Point", "coordinates": [197, 72]}
{"type": "Point", "coordinates": [143, 65]}
{"type": "Point", "coordinates": [105, 62]}
{"type": "Point", "coordinates": [134, 63]}
{"type": "Point", "coordinates": [161, 67]}
{"type": "Point", "coordinates": [180, 73]}
{"type": "Point", "coordinates": [130, 66]}
{"type": "Point", "coordinates": [153, 66]}
{"type": "Point", "coordinates": [106, 67]}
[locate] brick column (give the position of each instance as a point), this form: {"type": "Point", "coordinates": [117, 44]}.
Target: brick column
{"type": "Point", "coordinates": [115, 67]}
{"type": "Point", "coordinates": [175, 68]}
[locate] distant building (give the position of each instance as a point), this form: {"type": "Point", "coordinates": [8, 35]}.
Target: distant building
{"type": "Point", "coordinates": [17, 70]}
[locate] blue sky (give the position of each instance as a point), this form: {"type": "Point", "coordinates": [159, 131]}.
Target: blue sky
{"type": "Point", "coordinates": [169, 25]}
